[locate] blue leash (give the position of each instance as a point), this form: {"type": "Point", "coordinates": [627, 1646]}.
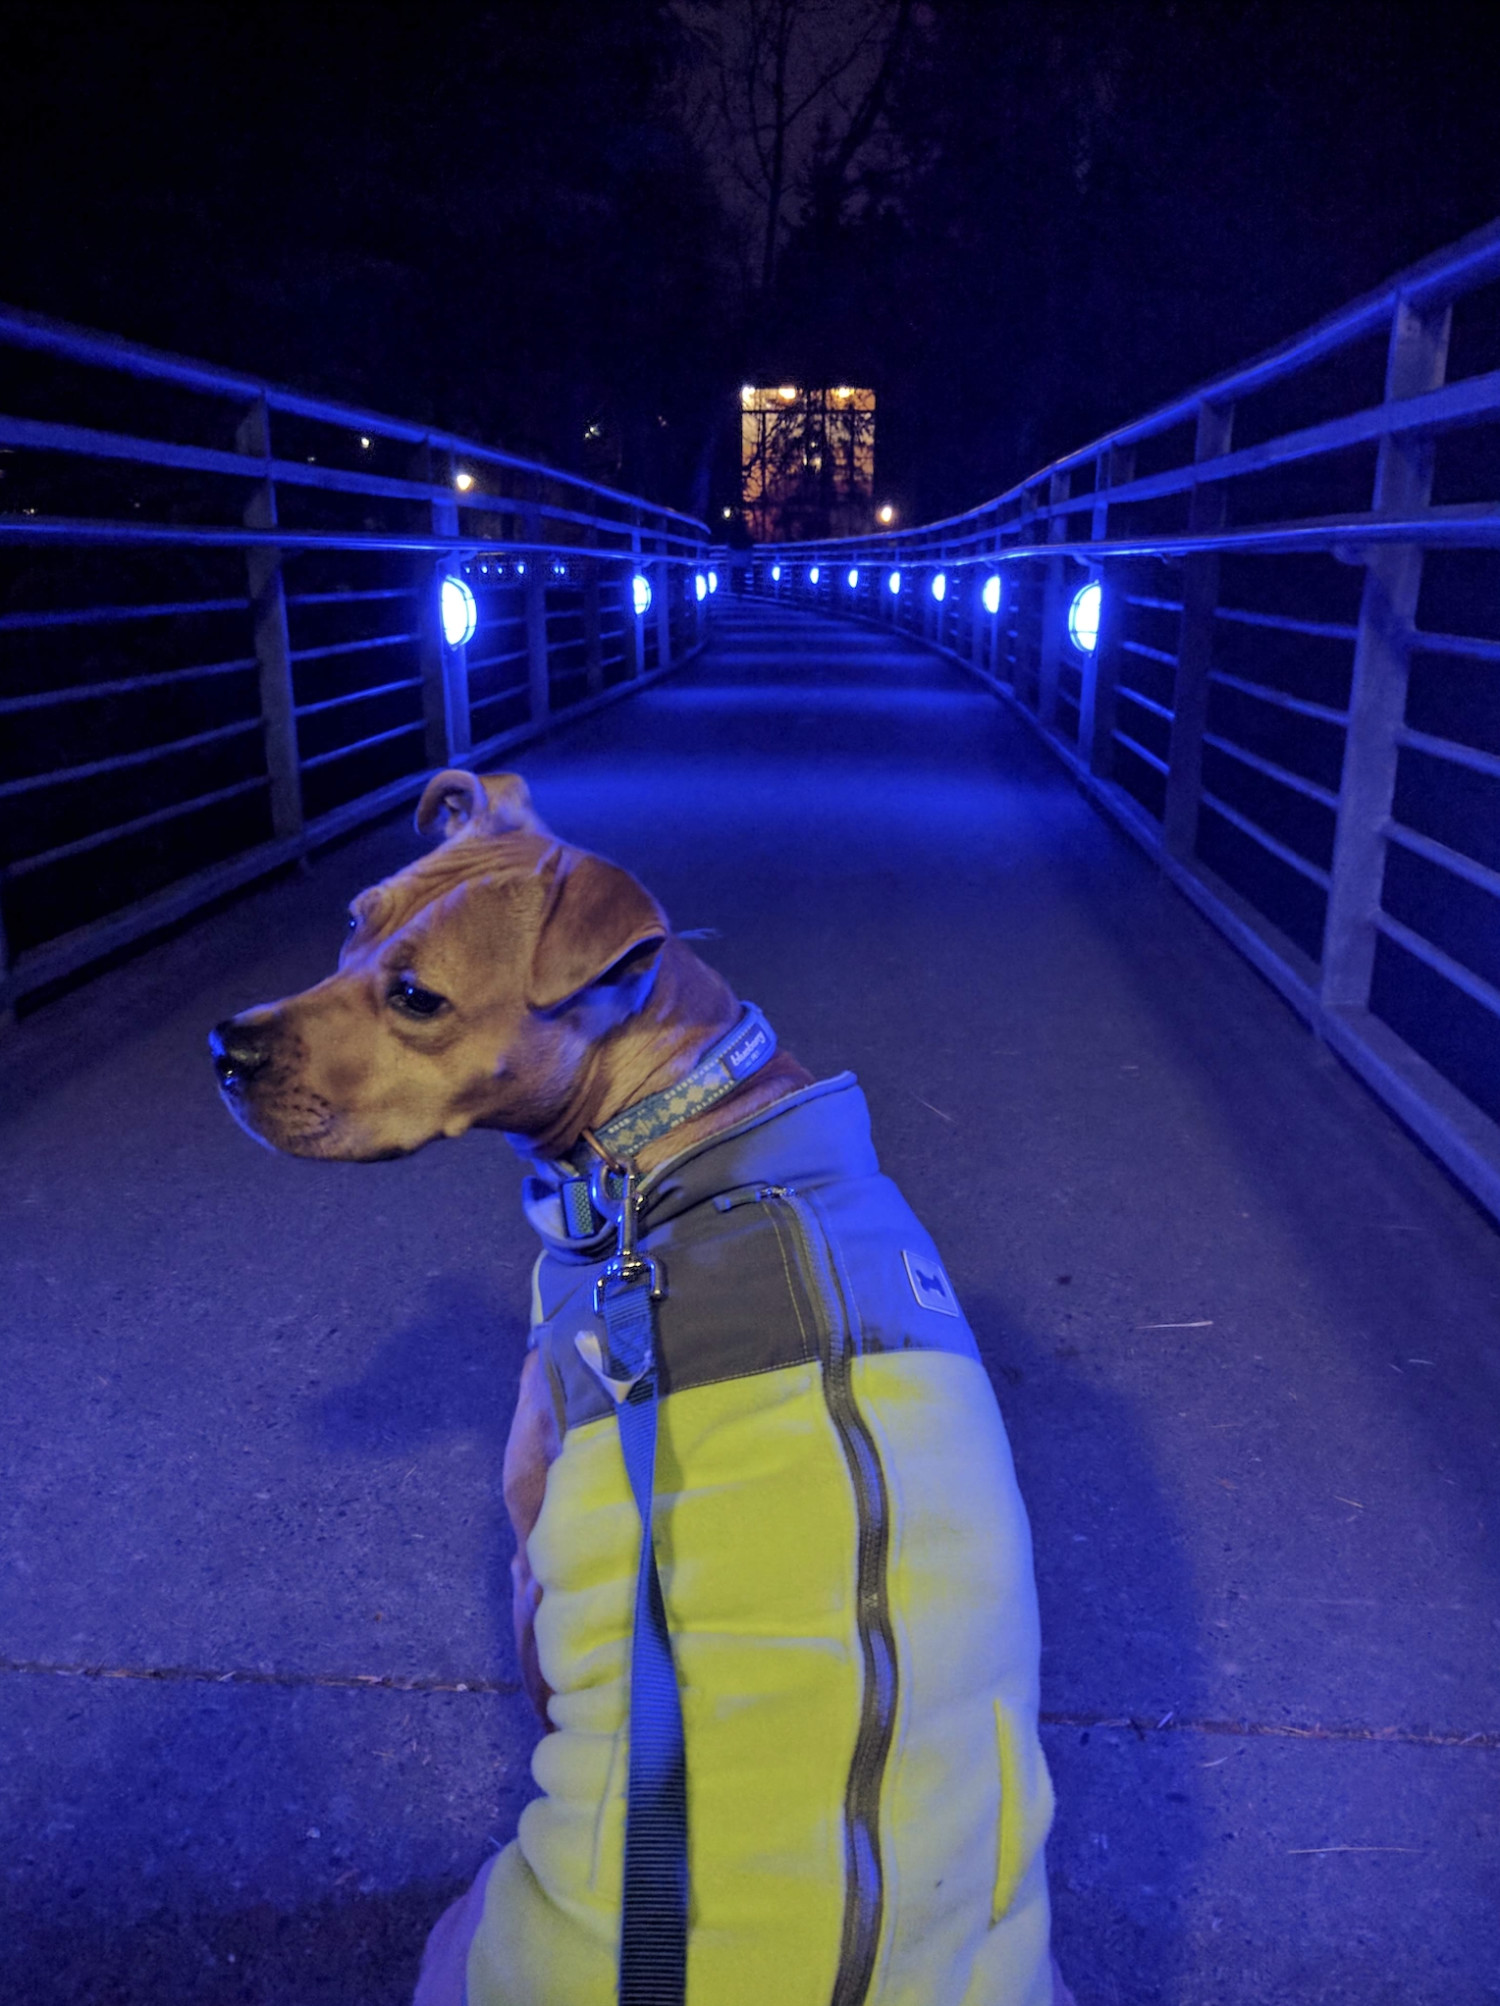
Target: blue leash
{"type": "Point", "coordinates": [654, 1907]}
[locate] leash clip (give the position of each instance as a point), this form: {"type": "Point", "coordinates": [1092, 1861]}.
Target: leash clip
{"type": "Point", "coordinates": [627, 1267]}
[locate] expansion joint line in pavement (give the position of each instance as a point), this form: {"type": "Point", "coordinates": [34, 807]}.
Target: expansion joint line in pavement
{"type": "Point", "coordinates": [1142, 1725]}
{"type": "Point", "coordinates": [205, 1675]}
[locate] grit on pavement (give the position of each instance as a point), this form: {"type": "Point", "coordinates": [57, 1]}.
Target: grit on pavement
{"type": "Point", "coordinates": [260, 1706]}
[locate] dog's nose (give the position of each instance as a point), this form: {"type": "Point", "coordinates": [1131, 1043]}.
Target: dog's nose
{"type": "Point", "coordinates": [240, 1050]}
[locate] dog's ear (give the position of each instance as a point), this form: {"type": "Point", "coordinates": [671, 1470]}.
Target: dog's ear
{"type": "Point", "coordinates": [468, 804]}
{"type": "Point", "coordinates": [600, 927]}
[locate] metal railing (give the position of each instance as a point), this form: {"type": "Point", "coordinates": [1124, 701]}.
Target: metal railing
{"type": "Point", "coordinates": [1287, 686]}
{"type": "Point", "coordinates": [222, 627]}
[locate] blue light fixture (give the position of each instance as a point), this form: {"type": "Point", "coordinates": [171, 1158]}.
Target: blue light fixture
{"type": "Point", "coordinates": [814, 574]}
{"type": "Point", "coordinates": [1083, 618]}
{"type": "Point", "coordinates": [940, 586]}
{"type": "Point", "coordinates": [640, 594]}
{"type": "Point", "coordinates": [713, 581]}
{"type": "Point", "coordinates": [775, 574]}
{"type": "Point", "coordinates": [700, 586]}
{"type": "Point", "coordinates": [854, 579]}
{"type": "Point", "coordinates": [893, 583]}
{"type": "Point", "coordinates": [990, 596]}
{"type": "Point", "coordinates": [459, 614]}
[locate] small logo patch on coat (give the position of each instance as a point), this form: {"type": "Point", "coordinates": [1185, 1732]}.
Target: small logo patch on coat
{"type": "Point", "coordinates": [929, 1284]}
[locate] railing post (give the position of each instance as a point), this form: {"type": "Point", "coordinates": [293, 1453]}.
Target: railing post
{"type": "Point", "coordinates": [1417, 361]}
{"type": "Point", "coordinates": [1101, 670]}
{"type": "Point", "coordinates": [1195, 641]}
{"type": "Point", "coordinates": [534, 599]}
{"type": "Point", "coordinates": [593, 627]}
{"type": "Point", "coordinates": [444, 670]}
{"type": "Point", "coordinates": [1050, 660]}
{"type": "Point", "coordinates": [661, 602]}
{"type": "Point", "coordinates": [635, 626]}
{"type": "Point", "coordinates": [273, 648]}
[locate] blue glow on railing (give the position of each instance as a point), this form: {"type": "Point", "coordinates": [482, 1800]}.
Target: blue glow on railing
{"type": "Point", "coordinates": [700, 585]}
{"type": "Point", "coordinates": [460, 615]}
{"type": "Point", "coordinates": [990, 596]}
{"type": "Point", "coordinates": [893, 583]}
{"type": "Point", "coordinates": [713, 581]}
{"type": "Point", "coordinates": [854, 579]}
{"type": "Point", "coordinates": [640, 594]}
{"type": "Point", "coordinates": [1083, 618]}
{"type": "Point", "coordinates": [814, 574]}
{"type": "Point", "coordinates": [940, 587]}
{"type": "Point", "coordinates": [775, 574]}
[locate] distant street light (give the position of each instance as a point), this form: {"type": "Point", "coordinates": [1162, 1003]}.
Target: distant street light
{"type": "Point", "coordinates": [463, 482]}
{"type": "Point", "coordinates": [885, 513]}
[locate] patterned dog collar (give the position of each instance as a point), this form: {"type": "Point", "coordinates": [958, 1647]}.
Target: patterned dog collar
{"type": "Point", "coordinates": [739, 1053]}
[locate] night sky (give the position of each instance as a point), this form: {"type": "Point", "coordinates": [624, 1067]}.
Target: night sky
{"type": "Point", "coordinates": [548, 225]}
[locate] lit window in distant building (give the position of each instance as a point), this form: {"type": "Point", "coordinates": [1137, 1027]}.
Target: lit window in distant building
{"type": "Point", "coordinates": [807, 461]}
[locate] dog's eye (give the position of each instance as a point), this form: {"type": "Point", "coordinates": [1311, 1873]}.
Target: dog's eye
{"type": "Point", "coordinates": [412, 1001]}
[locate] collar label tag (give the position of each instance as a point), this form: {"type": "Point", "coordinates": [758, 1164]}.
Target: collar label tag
{"type": "Point", "coordinates": [929, 1284]}
{"type": "Point", "coordinates": [749, 1052]}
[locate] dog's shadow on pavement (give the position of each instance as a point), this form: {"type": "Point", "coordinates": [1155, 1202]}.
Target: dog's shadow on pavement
{"type": "Point", "coordinates": [448, 1374]}
{"type": "Point", "coordinates": [1122, 1647]}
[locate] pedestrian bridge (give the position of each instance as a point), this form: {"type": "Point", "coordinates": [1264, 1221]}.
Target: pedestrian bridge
{"type": "Point", "coordinates": [1232, 1264]}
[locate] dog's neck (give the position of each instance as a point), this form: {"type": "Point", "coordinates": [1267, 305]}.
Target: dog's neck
{"type": "Point", "coordinates": [689, 1009]}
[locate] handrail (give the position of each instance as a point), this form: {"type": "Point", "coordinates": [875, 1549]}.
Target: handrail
{"type": "Point", "coordinates": [20, 329]}
{"type": "Point", "coordinates": [1308, 736]}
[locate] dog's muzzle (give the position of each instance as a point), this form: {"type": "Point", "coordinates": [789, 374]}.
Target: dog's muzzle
{"type": "Point", "coordinates": [240, 1051]}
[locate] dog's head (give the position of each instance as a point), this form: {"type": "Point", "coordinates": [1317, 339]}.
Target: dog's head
{"type": "Point", "coordinates": [474, 987]}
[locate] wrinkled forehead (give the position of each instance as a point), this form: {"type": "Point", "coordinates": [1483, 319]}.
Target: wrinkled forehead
{"type": "Point", "coordinates": [396, 902]}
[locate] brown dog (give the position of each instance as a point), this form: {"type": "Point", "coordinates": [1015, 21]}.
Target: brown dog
{"type": "Point", "coordinates": [511, 981]}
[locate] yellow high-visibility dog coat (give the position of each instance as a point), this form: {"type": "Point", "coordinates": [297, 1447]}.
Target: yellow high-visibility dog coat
{"type": "Point", "coordinates": [846, 1566]}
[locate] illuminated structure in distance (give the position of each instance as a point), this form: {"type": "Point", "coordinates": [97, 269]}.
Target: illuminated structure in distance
{"type": "Point", "coordinates": [807, 460]}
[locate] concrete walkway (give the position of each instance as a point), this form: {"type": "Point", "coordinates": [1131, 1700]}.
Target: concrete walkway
{"type": "Point", "coordinates": [258, 1694]}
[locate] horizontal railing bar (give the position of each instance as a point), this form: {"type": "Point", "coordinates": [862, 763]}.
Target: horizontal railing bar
{"type": "Point", "coordinates": [24, 330]}
{"type": "Point", "coordinates": [1473, 986]}
{"type": "Point", "coordinates": [1455, 404]}
{"type": "Point", "coordinates": [1471, 756]}
{"type": "Point", "coordinates": [1272, 771]}
{"type": "Point", "coordinates": [1160, 605]}
{"type": "Point", "coordinates": [351, 647]}
{"type": "Point", "coordinates": [1279, 698]}
{"type": "Point", "coordinates": [1266, 840]}
{"type": "Point", "coordinates": [93, 616]}
{"type": "Point", "coordinates": [1145, 702]}
{"type": "Point", "coordinates": [1455, 644]}
{"type": "Point", "coordinates": [1440, 853]}
{"type": "Point", "coordinates": [38, 436]}
{"type": "Point", "coordinates": [1151, 654]}
{"type": "Point", "coordinates": [60, 775]}
{"type": "Point", "coordinates": [1284, 623]}
{"type": "Point", "coordinates": [82, 844]}
{"type": "Point", "coordinates": [124, 685]}
{"type": "Point", "coordinates": [73, 529]}
{"type": "Point", "coordinates": [1460, 528]}
{"type": "Point", "coordinates": [360, 745]}
{"type": "Point", "coordinates": [349, 598]}
{"type": "Point", "coordinates": [357, 696]}
{"type": "Point", "coordinates": [1140, 751]}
